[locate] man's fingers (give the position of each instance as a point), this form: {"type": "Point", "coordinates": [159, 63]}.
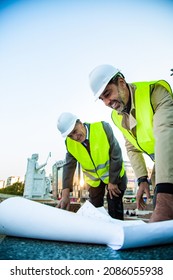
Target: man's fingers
{"type": "Point", "coordinates": [113, 193]}
{"type": "Point", "coordinates": [61, 205]}
{"type": "Point", "coordinates": [110, 193]}
{"type": "Point", "coordinates": [141, 204]}
{"type": "Point", "coordinates": [68, 207]}
{"type": "Point", "coordinates": [58, 205]}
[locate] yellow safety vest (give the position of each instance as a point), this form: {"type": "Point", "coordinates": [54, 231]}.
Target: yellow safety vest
{"type": "Point", "coordinates": [144, 140]}
{"type": "Point", "coordinates": [95, 165]}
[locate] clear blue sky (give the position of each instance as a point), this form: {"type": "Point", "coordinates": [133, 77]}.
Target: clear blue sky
{"type": "Point", "coordinates": [48, 48]}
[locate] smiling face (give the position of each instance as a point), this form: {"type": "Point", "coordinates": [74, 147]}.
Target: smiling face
{"type": "Point", "coordinates": [78, 133]}
{"type": "Point", "coordinates": [116, 96]}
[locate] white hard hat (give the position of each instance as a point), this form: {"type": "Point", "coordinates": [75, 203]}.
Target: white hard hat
{"type": "Point", "coordinates": [66, 123]}
{"type": "Point", "coordinates": [100, 77]}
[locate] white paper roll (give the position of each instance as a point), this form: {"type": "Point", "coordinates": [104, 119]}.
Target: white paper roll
{"type": "Point", "coordinates": [25, 218]}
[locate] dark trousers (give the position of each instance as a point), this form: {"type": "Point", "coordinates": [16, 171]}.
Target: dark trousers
{"type": "Point", "coordinates": [115, 205]}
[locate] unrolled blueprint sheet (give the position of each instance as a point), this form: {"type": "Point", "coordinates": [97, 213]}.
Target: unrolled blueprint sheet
{"type": "Point", "coordinates": [25, 218]}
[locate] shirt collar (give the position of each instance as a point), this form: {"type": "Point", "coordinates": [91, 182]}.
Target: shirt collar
{"type": "Point", "coordinates": [87, 131]}
{"type": "Point", "coordinates": [128, 120]}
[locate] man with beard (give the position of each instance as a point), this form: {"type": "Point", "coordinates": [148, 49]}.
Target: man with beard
{"type": "Point", "coordinates": [143, 111]}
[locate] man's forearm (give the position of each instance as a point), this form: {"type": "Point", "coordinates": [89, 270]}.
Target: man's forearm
{"type": "Point", "coordinates": [65, 193]}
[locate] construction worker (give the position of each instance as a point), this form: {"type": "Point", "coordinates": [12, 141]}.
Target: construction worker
{"type": "Point", "coordinates": [143, 111]}
{"type": "Point", "coordinates": [94, 146]}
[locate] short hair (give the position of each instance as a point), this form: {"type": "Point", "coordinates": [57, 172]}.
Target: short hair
{"type": "Point", "coordinates": [114, 79]}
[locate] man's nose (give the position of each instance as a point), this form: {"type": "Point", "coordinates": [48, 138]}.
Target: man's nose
{"type": "Point", "coordinates": [74, 137]}
{"type": "Point", "coordinates": [106, 101]}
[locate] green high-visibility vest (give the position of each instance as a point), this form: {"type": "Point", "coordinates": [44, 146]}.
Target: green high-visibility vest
{"type": "Point", "coordinates": [95, 166]}
{"type": "Point", "coordinates": [144, 140]}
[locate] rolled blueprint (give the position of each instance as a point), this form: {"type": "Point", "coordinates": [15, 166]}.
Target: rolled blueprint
{"type": "Point", "coordinates": [25, 218]}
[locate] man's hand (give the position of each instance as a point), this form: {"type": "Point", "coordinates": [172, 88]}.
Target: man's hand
{"type": "Point", "coordinates": [64, 202]}
{"type": "Point", "coordinates": [143, 188]}
{"type": "Point", "coordinates": [113, 190]}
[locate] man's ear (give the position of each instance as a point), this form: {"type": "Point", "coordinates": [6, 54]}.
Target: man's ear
{"type": "Point", "coordinates": [121, 82]}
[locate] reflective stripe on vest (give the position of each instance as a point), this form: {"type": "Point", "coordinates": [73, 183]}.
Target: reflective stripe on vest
{"type": "Point", "coordinates": [144, 140]}
{"type": "Point", "coordinates": [96, 165]}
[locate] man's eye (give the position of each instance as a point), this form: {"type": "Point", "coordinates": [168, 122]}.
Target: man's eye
{"type": "Point", "coordinates": [107, 94]}
{"type": "Point", "coordinates": [72, 133]}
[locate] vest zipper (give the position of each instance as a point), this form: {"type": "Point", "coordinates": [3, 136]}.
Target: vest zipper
{"type": "Point", "coordinates": [138, 144]}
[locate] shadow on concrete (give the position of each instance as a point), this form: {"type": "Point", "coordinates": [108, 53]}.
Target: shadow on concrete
{"type": "Point", "coordinates": [12, 248]}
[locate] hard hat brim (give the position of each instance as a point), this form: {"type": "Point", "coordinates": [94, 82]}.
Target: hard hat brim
{"type": "Point", "coordinates": [67, 132]}
{"type": "Point", "coordinates": [107, 80]}
{"type": "Point", "coordinates": [97, 95]}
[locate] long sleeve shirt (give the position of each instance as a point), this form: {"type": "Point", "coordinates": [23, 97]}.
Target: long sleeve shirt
{"type": "Point", "coordinates": [162, 104]}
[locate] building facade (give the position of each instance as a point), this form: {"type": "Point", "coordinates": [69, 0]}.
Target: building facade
{"type": "Point", "coordinates": [11, 180]}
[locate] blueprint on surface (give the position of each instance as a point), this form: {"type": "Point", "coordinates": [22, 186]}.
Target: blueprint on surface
{"type": "Point", "coordinates": [25, 218]}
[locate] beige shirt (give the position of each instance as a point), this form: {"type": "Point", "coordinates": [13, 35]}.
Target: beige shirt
{"type": "Point", "coordinates": [162, 104]}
